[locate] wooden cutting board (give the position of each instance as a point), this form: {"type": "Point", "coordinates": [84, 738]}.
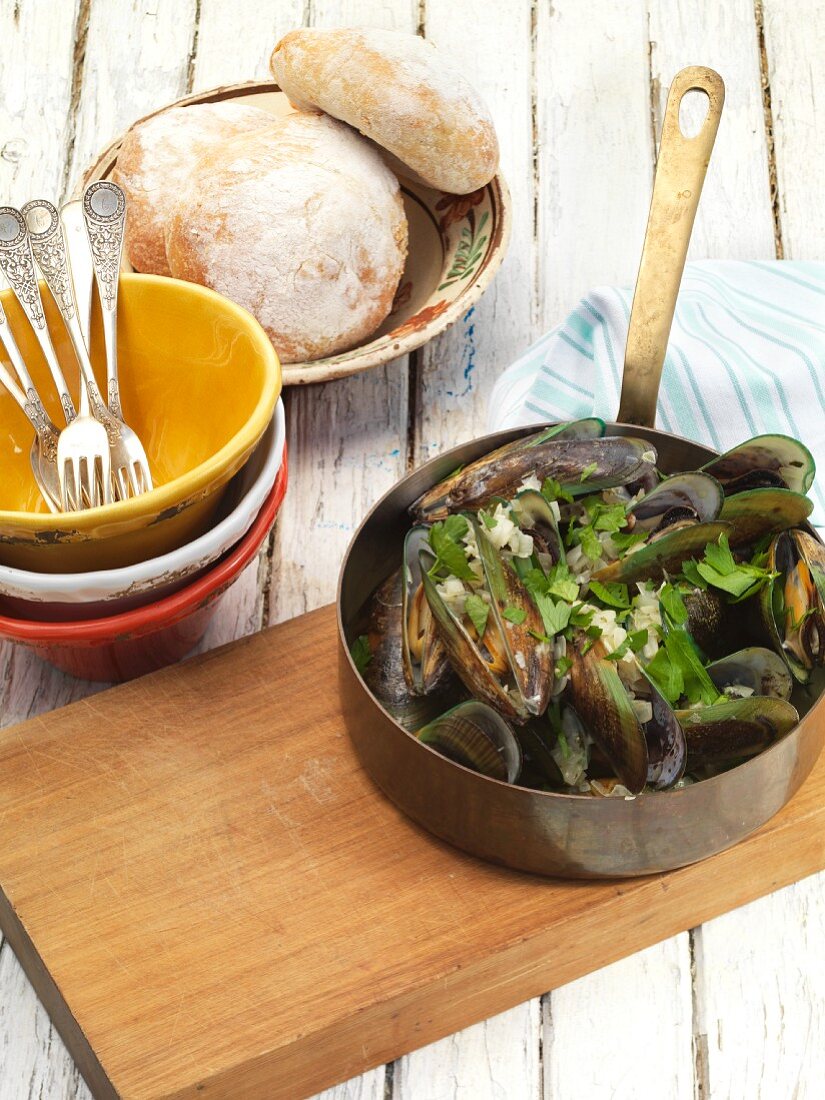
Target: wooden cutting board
{"type": "Point", "coordinates": [213, 900]}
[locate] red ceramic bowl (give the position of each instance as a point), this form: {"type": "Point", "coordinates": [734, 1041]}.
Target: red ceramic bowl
{"type": "Point", "coordinates": [124, 646]}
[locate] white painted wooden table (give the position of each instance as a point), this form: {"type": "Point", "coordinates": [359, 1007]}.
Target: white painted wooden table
{"type": "Point", "coordinates": [735, 1008]}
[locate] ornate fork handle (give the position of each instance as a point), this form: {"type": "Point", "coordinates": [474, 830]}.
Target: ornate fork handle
{"type": "Point", "coordinates": [104, 211]}
{"type": "Point", "coordinates": [17, 264]}
{"type": "Point", "coordinates": [49, 248]}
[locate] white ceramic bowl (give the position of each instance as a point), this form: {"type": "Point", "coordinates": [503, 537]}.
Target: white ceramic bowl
{"type": "Point", "coordinates": [49, 597]}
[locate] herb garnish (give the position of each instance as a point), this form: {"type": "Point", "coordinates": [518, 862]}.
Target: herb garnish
{"type": "Point", "coordinates": [450, 555]}
{"type": "Point", "coordinates": [477, 609]}
{"type": "Point", "coordinates": [361, 652]}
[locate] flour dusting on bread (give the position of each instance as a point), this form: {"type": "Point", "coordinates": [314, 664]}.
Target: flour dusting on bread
{"type": "Point", "coordinates": [307, 232]}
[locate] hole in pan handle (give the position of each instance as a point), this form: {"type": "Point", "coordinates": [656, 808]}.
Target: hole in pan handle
{"type": "Point", "coordinates": [677, 187]}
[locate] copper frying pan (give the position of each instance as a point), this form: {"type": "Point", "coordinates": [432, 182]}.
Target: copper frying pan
{"type": "Point", "coordinates": [558, 834]}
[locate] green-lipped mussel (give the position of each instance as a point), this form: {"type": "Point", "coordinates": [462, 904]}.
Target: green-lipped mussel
{"type": "Point", "coordinates": [607, 621]}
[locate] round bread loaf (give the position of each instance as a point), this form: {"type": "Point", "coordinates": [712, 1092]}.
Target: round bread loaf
{"type": "Point", "coordinates": [398, 90]}
{"type": "Point", "coordinates": [307, 232]}
{"type": "Point", "coordinates": [155, 162]}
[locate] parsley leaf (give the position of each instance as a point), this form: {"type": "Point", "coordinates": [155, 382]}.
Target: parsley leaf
{"type": "Point", "coordinates": [561, 584]}
{"type": "Point", "coordinates": [614, 595]}
{"type": "Point", "coordinates": [624, 540]}
{"type": "Point", "coordinates": [515, 615]}
{"type": "Point", "coordinates": [361, 652]}
{"type": "Point", "coordinates": [563, 666]}
{"type": "Point", "coordinates": [478, 610]}
{"type": "Point", "coordinates": [450, 556]}
{"type": "Point", "coordinates": [671, 600]}
{"type": "Point", "coordinates": [555, 616]}
{"type": "Point", "coordinates": [589, 542]}
{"type": "Point", "coordinates": [553, 490]}
{"type": "Point", "coordinates": [719, 557]}
{"type": "Point", "coordinates": [489, 521]}
{"type": "Point", "coordinates": [666, 676]}
{"type": "Point", "coordinates": [589, 470]}
{"type": "Point", "coordinates": [690, 571]}
{"type": "Point", "coordinates": [581, 616]}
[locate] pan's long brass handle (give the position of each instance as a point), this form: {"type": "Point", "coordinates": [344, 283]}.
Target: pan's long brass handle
{"type": "Point", "coordinates": [680, 173]}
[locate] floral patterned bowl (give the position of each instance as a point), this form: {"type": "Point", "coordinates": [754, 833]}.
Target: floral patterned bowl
{"type": "Point", "coordinates": [457, 243]}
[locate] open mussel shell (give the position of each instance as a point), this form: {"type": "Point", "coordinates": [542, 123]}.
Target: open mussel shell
{"type": "Point", "coordinates": [666, 745]}
{"type": "Point", "coordinates": [764, 461]}
{"type": "Point", "coordinates": [425, 660]}
{"type": "Point", "coordinates": [725, 733]}
{"type": "Point", "coordinates": [531, 661]}
{"type": "Point", "coordinates": [663, 553]}
{"type": "Point", "coordinates": [480, 664]}
{"type": "Point", "coordinates": [476, 736]}
{"type": "Point", "coordinates": [610, 460]}
{"type": "Point", "coordinates": [384, 674]}
{"type": "Point", "coordinates": [535, 516]}
{"type": "Point", "coordinates": [760, 512]}
{"type": "Point", "coordinates": [693, 495]}
{"type": "Point", "coordinates": [793, 604]}
{"type": "Point", "coordinates": [604, 706]}
{"type": "Point", "coordinates": [758, 670]}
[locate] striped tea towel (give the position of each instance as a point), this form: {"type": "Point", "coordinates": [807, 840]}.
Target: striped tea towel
{"type": "Point", "coordinates": [746, 356]}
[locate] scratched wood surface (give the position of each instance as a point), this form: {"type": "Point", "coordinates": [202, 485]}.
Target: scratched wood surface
{"type": "Point", "coordinates": [737, 1007]}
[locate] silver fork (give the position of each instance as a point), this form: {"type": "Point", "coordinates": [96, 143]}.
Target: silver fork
{"type": "Point", "coordinates": [104, 212]}
{"type": "Point", "coordinates": [43, 454]}
{"type": "Point", "coordinates": [83, 463]}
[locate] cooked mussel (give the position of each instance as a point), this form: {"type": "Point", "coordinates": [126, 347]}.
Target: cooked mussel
{"type": "Point", "coordinates": [793, 604]}
{"type": "Point", "coordinates": [762, 462]}
{"type": "Point", "coordinates": [425, 660]}
{"type": "Point", "coordinates": [725, 733]}
{"type": "Point", "coordinates": [666, 746]}
{"type": "Point", "coordinates": [606, 711]}
{"type": "Point", "coordinates": [384, 673]}
{"type": "Point", "coordinates": [476, 736]}
{"type": "Point", "coordinates": [757, 670]}
{"type": "Point", "coordinates": [693, 497]}
{"type": "Point", "coordinates": [663, 553]}
{"type": "Point", "coordinates": [507, 666]}
{"type": "Point", "coordinates": [760, 512]}
{"type": "Point", "coordinates": [580, 465]}
{"type": "Point", "coordinates": [535, 515]}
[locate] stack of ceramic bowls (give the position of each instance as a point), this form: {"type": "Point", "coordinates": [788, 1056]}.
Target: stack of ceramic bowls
{"type": "Point", "coordinates": [113, 592]}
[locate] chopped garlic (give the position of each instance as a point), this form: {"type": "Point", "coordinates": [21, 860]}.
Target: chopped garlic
{"type": "Point", "coordinates": [643, 709]}
{"type": "Point", "coordinates": [649, 456]}
{"type": "Point", "coordinates": [507, 535]}
{"type": "Point", "coordinates": [453, 593]}
{"type": "Point", "coordinates": [531, 482]}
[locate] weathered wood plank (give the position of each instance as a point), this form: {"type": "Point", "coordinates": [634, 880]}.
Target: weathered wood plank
{"type": "Point", "coordinates": [794, 42]}
{"type": "Point", "coordinates": [136, 60]}
{"type": "Point", "coordinates": [456, 372]}
{"type": "Point", "coordinates": [722, 36]}
{"type": "Point", "coordinates": [595, 148]}
{"type": "Point", "coordinates": [35, 117]}
{"type": "Point", "coordinates": [761, 996]}
{"type": "Point", "coordinates": [34, 1063]}
{"type": "Point", "coordinates": [494, 1060]}
{"type": "Point", "coordinates": [624, 1031]}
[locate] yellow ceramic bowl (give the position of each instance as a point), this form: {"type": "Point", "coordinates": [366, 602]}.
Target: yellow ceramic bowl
{"type": "Point", "coordinates": [199, 381]}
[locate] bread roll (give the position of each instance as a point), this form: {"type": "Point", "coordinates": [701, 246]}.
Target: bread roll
{"type": "Point", "coordinates": [156, 161]}
{"type": "Point", "coordinates": [398, 90]}
{"type": "Point", "coordinates": [307, 231]}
